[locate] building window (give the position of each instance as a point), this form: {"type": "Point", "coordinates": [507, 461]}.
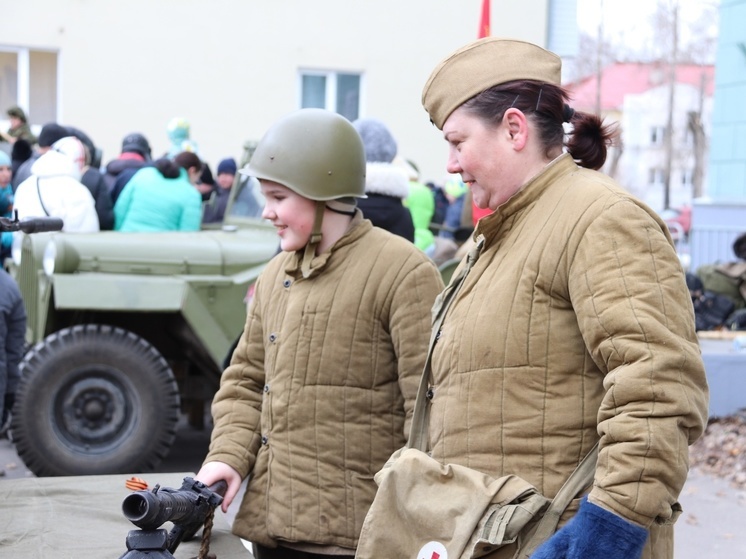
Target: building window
{"type": "Point", "coordinates": [686, 177]}
{"type": "Point", "coordinates": [655, 176]}
{"type": "Point", "coordinates": [334, 91]}
{"type": "Point", "coordinates": [657, 134]}
{"type": "Point", "coordinates": [28, 78]}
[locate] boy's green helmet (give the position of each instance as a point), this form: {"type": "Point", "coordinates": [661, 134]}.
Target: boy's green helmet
{"type": "Point", "coordinates": [315, 153]}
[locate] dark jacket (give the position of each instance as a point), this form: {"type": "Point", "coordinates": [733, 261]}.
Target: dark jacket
{"type": "Point", "coordinates": [114, 170]}
{"type": "Point", "coordinates": [215, 207]}
{"type": "Point", "coordinates": [23, 171]}
{"type": "Point", "coordinates": [388, 212]}
{"type": "Point", "coordinates": [386, 187]}
{"type": "Point", "coordinates": [94, 181]}
{"type": "Point", "coordinates": [12, 334]}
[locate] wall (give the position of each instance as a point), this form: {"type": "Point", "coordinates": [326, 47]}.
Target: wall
{"type": "Point", "coordinates": [231, 68]}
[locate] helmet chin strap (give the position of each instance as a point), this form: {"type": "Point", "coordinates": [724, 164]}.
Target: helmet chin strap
{"type": "Point", "coordinates": [313, 242]}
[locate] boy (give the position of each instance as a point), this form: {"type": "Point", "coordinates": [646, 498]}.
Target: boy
{"type": "Point", "coordinates": [321, 388]}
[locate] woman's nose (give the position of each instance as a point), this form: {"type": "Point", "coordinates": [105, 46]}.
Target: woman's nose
{"type": "Point", "coordinates": [452, 164]}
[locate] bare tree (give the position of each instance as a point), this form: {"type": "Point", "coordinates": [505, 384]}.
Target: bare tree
{"type": "Point", "coordinates": [673, 23]}
{"type": "Point", "coordinates": [699, 141]}
{"type": "Point", "coordinates": [586, 63]}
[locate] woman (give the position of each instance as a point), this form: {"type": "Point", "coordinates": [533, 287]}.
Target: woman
{"type": "Point", "coordinates": [54, 188]}
{"type": "Point", "coordinates": [574, 324]}
{"type": "Point", "coordinates": [321, 387]}
{"type": "Point", "coordinates": [162, 198]}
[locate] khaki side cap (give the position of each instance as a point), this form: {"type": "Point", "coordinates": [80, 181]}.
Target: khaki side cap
{"type": "Point", "coordinates": [483, 64]}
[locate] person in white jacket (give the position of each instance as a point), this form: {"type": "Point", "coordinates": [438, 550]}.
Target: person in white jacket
{"type": "Point", "coordinates": [54, 188]}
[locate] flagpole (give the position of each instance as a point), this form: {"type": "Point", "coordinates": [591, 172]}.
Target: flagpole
{"type": "Point", "coordinates": [484, 31]}
{"type": "Point", "coordinates": [484, 20]}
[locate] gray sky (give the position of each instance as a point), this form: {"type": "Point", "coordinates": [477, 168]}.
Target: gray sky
{"type": "Point", "coordinates": [630, 20]}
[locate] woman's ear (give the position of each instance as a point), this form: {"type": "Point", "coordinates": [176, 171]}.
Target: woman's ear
{"type": "Point", "coordinates": [516, 125]}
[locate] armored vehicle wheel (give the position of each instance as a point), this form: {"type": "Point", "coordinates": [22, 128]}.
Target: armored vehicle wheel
{"type": "Point", "coordinates": [94, 399]}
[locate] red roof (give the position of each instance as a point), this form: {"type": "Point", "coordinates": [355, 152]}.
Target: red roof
{"type": "Point", "coordinates": [625, 78]}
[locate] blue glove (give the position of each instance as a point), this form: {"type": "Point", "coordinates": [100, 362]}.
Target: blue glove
{"type": "Point", "coordinates": [594, 533]}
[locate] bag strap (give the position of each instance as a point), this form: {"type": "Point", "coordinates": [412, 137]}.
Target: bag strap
{"type": "Point", "coordinates": [581, 478]}
{"type": "Point", "coordinates": [41, 200]}
{"type": "Point", "coordinates": [418, 430]}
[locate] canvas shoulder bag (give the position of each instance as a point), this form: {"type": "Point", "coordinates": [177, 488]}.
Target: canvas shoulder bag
{"type": "Point", "coordinates": [427, 510]}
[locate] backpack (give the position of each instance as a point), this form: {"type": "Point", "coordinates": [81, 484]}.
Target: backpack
{"type": "Point", "coordinates": [711, 310]}
{"type": "Point", "coordinates": [737, 320]}
{"type": "Point", "coordinates": [727, 279]}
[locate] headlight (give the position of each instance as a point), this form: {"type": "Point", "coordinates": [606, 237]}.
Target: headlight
{"type": "Point", "coordinates": [16, 249]}
{"type": "Point", "coordinates": [50, 257]}
{"type": "Point", "coordinates": [59, 257]}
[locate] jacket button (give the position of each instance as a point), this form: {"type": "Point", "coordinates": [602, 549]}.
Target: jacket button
{"type": "Point", "coordinates": [265, 440]}
{"type": "Point", "coordinates": [287, 283]}
{"type": "Point", "coordinates": [266, 388]}
{"type": "Point", "coordinates": [437, 336]}
{"type": "Point", "coordinates": [430, 394]}
{"type": "Point", "coordinates": [273, 338]}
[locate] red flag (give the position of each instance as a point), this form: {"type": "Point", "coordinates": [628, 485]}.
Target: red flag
{"type": "Point", "coordinates": [484, 21]}
{"type": "Point", "coordinates": [484, 31]}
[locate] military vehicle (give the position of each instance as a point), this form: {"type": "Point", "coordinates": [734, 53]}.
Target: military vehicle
{"type": "Point", "coordinates": [128, 333]}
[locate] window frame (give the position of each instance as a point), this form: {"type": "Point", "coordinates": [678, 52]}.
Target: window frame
{"type": "Point", "coordinates": [24, 78]}
{"type": "Point", "coordinates": [331, 88]}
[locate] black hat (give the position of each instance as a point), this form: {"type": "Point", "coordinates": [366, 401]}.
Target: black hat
{"type": "Point", "coordinates": [50, 133]}
{"type": "Point", "coordinates": [21, 151]}
{"type": "Point", "coordinates": [206, 176]}
{"type": "Point", "coordinates": [136, 143]}
{"type": "Point", "coordinates": [739, 246]}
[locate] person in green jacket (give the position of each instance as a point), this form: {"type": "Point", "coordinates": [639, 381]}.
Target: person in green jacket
{"type": "Point", "coordinates": [19, 127]}
{"type": "Point", "coordinates": [421, 204]}
{"type": "Point", "coordinates": [162, 198]}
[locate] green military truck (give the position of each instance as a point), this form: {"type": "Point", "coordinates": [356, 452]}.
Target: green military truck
{"type": "Point", "coordinates": [128, 333]}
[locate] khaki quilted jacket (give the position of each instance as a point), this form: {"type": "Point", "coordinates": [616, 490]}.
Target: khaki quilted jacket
{"type": "Point", "coordinates": [574, 324]}
{"type": "Point", "coordinates": [326, 371]}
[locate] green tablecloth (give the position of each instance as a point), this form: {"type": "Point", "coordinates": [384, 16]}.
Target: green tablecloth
{"type": "Point", "coordinates": [81, 518]}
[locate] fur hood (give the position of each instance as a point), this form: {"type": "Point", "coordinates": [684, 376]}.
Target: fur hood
{"type": "Point", "coordinates": [54, 164]}
{"type": "Point", "coordinates": [387, 179]}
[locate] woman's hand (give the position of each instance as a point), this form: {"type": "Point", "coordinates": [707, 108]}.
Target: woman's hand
{"type": "Point", "coordinates": [594, 533]}
{"type": "Point", "coordinates": [212, 472]}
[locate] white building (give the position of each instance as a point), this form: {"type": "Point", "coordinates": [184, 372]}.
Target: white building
{"type": "Point", "coordinates": [643, 163]}
{"type": "Point", "coordinates": [232, 68]}
{"type": "Point", "coordinates": [637, 97]}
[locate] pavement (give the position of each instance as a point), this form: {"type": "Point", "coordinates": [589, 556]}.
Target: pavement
{"type": "Point", "coordinates": [713, 525]}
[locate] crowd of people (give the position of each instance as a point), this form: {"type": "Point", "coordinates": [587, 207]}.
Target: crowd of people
{"type": "Point", "coordinates": [395, 200]}
{"type": "Point", "coordinates": [45, 174]}
{"type": "Point", "coordinates": [40, 176]}
{"type": "Point", "coordinates": [567, 327]}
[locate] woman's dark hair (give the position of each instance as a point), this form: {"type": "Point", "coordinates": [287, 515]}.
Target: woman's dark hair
{"type": "Point", "coordinates": [171, 169]}
{"type": "Point", "coordinates": [546, 105]}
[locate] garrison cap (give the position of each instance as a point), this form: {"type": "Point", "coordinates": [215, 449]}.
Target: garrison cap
{"type": "Point", "coordinates": [483, 64]}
